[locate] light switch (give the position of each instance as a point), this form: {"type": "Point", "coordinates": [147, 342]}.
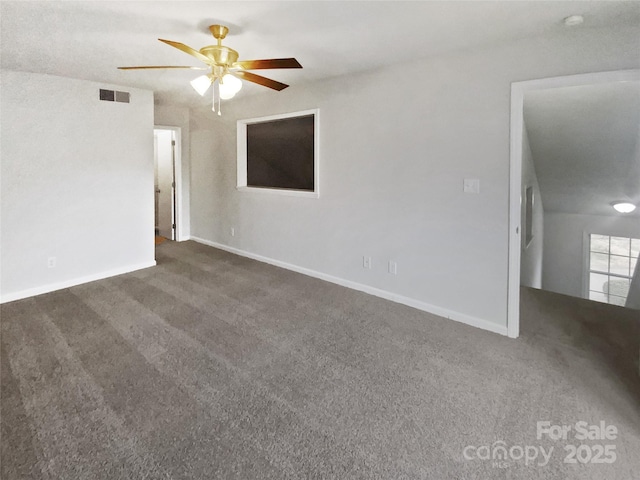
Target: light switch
{"type": "Point", "coordinates": [471, 185]}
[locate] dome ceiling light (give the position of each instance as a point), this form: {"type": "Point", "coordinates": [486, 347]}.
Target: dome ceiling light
{"type": "Point", "coordinates": [624, 207]}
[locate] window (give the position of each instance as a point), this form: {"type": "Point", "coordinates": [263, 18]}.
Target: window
{"type": "Point", "coordinates": [279, 154]}
{"type": "Point", "coordinates": [612, 261]}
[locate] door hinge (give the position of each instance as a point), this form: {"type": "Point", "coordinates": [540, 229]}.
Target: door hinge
{"type": "Point", "coordinates": [173, 184]}
{"type": "Point", "coordinates": [173, 143]}
{"type": "Point", "coordinates": [173, 226]}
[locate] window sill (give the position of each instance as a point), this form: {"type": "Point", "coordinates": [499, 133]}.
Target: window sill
{"type": "Point", "coordinates": [279, 191]}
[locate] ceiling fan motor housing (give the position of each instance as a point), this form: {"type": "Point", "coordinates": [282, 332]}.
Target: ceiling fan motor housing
{"type": "Point", "coordinates": [220, 55]}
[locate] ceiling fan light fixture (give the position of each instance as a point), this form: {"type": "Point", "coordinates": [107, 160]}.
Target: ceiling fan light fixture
{"type": "Point", "coordinates": [624, 207]}
{"type": "Point", "coordinates": [201, 84]}
{"type": "Point", "coordinates": [229, 86]}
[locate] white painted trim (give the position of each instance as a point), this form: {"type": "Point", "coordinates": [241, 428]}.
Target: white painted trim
{"type": "Point", "coordinates": [279, 191]}
{"type": "Point", "coordinates": [280, 116]}
{"type": "Point", "coordinates": [594, 78]}
{"type": "Point", "coordinates": [518, 90]}
{"type": "Point", "coordinates": [241, 154]}
{"type": "Point", "coordinates": [515, 209]}
{"type": "Point", "coordinates": [52, 287]}
{"type": "Point", "coordinates": [426, 307]}
{"type": "Point", "coordinates": [180, 232]}
{"type": "Point", "coordinates": [586, 247]}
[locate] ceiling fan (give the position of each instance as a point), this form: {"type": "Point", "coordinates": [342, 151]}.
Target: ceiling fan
{"type": "Point", "coordinates": [225, 71]}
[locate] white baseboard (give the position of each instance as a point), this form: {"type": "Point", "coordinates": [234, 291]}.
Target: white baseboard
{"type": "Point", "coordinates": [52, 287]}
{"type": "Point", "coordinates": [426, 307]}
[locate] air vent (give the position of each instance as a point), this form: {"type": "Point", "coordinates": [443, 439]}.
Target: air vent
{"type": "Point", "coordinates": [122, 97]}
{"type": "Point", "coordinates": [112, 96]}
{"type": "Point", "coordinates": [107, 95]}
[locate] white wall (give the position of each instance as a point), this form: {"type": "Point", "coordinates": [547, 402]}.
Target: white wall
{"type": "Point", "coordinates": [177, 116]}
{"type": "Point", "coordinates": [77, 183]}
{"type": "Point", "coordinates": [564, 261]}
{"type": "Point", "coordinates": [531, 254]}
{"type": "Point", "coordinates": [396, 145]}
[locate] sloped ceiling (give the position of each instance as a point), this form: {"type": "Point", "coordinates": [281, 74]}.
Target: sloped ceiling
{"type": "Point", "coordinates": [89, 39]}
{"type": "Point", "coordinates": [585, 143]}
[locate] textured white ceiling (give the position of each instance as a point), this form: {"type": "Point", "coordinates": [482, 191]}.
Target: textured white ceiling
{"type": "Point", "coordinates": [585, 143]}
{"type": "Point", "coordinates": [90, 39]}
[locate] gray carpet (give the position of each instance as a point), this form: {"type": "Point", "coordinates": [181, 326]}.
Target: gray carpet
{"type": "Point", "coordinates": [212, 366]}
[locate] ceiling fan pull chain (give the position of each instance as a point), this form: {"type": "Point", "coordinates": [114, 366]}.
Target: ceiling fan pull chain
{"type": "Point", "coordinates": [216, 95]}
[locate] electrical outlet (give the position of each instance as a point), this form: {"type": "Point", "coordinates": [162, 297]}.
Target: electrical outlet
{"type": "Point", "coordinates": [393, 267]}
{"type": "Point", "coordinates": [233, 232]}
{"type": "Point", "coordinates": [51, 262]}
{"type": "Point", "coordinates": [366, 262]}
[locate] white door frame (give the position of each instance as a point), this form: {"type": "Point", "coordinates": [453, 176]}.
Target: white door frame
{"type": "Point", "coordinates": [518, 91]}
{"type": "Point", "coordinates": [177, 137]}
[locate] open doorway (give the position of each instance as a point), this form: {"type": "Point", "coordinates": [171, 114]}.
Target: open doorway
{"type": "Point", "coordinates": [166, 182]}
{"type": "Point", "coordinates": [525, 209]}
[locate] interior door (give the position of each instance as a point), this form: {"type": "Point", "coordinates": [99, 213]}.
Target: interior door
{"type": "Point", "coordinates": [165, 186]}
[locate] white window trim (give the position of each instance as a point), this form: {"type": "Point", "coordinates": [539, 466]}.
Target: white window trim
{"type": "Point", "coordinates": [241, 159]}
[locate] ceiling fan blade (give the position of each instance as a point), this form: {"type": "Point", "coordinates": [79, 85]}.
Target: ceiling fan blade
{"type": "Point", "coordinates": [268, 63]}
{"type": "Point", "coordinates": [260, 80]}
{"type": "Point", "coordinates": [161, 66]}
{"type": "Point", "coordinates": [187, 49]}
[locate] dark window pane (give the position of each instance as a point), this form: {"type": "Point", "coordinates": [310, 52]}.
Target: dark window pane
{"type": "Point", "coordinates": [280, 153]}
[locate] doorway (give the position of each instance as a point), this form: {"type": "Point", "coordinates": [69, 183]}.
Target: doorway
{"type": "Point", "coordinates": [518, 201]}
{"type": "Point", "coordinates": [166, 181]}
